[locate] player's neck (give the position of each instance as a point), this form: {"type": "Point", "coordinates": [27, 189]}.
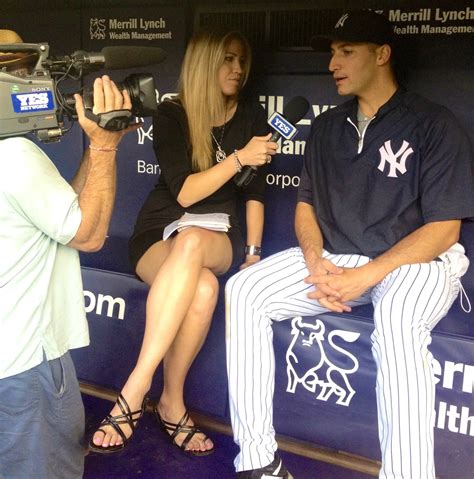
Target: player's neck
{"type": "Point", "coordinates": [374, 98]}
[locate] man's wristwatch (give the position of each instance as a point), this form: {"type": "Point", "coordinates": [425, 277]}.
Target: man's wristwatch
{"type": "Point", "coordinates": [253, 250]}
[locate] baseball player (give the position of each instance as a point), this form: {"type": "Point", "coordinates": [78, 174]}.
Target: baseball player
{"type": "Point", "coordinates": [387, 178]}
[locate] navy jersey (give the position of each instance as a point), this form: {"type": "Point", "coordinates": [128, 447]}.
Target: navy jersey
{"type": "Point", "coordinates": [412, 166]}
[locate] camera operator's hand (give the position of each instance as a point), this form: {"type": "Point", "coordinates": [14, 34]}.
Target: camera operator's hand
{"type": "Point", "coordinates": [95, 180]}
{"type": "Point", "coordinates": [107, 97]}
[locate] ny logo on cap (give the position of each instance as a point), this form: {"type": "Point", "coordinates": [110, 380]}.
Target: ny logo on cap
{"type": "Point", "coordinates": [340, 22]}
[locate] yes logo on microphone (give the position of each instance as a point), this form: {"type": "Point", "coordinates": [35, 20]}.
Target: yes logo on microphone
{"type": "Point", "coordinates": [282, 126]}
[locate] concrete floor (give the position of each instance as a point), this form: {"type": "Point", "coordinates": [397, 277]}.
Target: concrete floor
{"type": "Point", "coordinates": [151, 455]}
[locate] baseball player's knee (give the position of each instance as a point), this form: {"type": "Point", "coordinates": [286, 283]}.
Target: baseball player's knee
{"type": "Point", "coordinates": [232, 297]}
{"type": "Point", "coordinates": [393, 335]}
{"type": "Point", "coordinates": [399, 317]}
{"type": "Point", "coordinates": [410, 286]}
{"type": "Point", "coordinates": [230, 286]}
{"type": "Point", "coordinates": [242, 284]}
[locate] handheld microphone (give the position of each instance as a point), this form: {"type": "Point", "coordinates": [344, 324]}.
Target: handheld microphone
{"type": "Point", "coordinates": [283, 125]}
{"type": "Point", "coordinates": [117, 58]}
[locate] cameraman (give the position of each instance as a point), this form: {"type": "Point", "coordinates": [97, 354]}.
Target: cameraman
{"type": "Point", "coordinates": [44, 222]}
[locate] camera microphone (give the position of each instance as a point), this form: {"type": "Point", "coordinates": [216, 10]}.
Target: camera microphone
{"type": "Point", "coordinates": [117, 58]}
{"type": "Point", "coordinates": [283, 125]}
{"type": "Point", "coordinates": [131, 57]}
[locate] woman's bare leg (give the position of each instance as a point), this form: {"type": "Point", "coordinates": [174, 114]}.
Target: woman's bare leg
{"type": "Point", "coordinates": [172, 291]}
{"type": "Point", "coordinates": [182, 353]}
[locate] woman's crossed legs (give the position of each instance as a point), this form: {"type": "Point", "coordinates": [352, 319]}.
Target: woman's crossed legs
{"type": "Point", "coordinates": [183, 293]}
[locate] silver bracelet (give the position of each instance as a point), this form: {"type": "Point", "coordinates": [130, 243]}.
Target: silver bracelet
{"type": "Point", "coordinates": [253, 250]}
{"type": "Point", "coordinates": [238, 164]}
{"type": "Point", "coordinates": [100, 148]}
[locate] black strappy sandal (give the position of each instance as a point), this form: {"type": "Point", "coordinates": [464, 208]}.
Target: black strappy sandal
{"type": "Point", "coordinates": [127, 417]}
{"type": "Point", "coordinates": [172, 430]}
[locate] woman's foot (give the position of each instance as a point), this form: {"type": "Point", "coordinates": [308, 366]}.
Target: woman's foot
{"type": "Point", "coordinates": [117, 428]}
{"type": "Point", "coordinates": [180, 427]}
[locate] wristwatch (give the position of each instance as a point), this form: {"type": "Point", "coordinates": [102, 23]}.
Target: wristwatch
{"type": "Point", "coordinates": [253, 250]}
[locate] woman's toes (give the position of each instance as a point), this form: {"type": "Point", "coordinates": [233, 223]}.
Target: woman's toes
{"type": "Point", "coordinates": [106, 441]}
{"type": "Point", "coordinates": [192, 446]}
{"type": "Point", "coordinates": [200, 445]}
{"type": "Point", "coordinates": [195, 445]}
{"type": "Point", "coordinates": [98, 438]}
{"type": "Point", "coordinates": [114, 440]}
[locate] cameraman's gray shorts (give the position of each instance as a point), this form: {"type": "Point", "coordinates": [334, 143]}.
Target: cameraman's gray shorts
{"type": "Point", "coordinates": [42, 423]}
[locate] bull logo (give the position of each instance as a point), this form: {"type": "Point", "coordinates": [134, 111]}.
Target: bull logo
{"type": "Point", "coordinates": [97, 28]}
{"type": "Point", "coordinates": [332, 363]}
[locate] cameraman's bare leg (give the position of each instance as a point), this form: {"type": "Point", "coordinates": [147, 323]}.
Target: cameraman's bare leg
{"type": "Point", "coordinates": [183, 351]}
{"type": "Point", "coordinates": [174, 272]}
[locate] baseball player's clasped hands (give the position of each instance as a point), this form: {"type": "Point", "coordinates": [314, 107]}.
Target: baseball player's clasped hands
{"type": "Point", "coordinates": [335, 286]}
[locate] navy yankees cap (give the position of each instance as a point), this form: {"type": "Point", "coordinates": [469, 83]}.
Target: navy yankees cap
{"type": "Point", "coordinates": [359, 26]}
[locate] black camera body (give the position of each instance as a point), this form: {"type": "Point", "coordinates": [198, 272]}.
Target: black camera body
{"type": "Point", "coordinates": [32, 102]}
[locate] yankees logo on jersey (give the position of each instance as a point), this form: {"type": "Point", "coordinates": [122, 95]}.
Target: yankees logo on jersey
{"type": "Point", "coordinates": [396, 161]}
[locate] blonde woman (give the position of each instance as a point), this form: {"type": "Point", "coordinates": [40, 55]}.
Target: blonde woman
{"type": "Point", "coordinates": [202, 140]}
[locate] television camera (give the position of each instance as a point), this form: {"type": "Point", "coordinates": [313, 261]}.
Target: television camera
{"type": "Point", "coordinates": [31, 101]}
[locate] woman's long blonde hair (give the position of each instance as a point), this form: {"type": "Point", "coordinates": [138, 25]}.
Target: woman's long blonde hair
{"type": "Point", "coordinates": [200, 92]}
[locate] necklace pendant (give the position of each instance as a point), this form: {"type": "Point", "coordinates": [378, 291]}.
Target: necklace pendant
{"type": "Point", "coordinates": [220, 154]}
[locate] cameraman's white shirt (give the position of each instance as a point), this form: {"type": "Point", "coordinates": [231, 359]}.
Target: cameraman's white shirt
{"type": "Point", "coordinates": [41, 294]}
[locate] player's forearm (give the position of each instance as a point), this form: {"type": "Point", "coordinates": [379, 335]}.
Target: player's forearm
{"type": "Point", "coordinates": [96, 200]}
{"type": "Point", "coordinates": [421, 246]}
{"type": "Point", "coordinates": [308, 233]}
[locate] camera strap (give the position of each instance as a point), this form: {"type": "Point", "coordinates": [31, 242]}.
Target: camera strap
{"type": "Point", "coordinates": [114, 120]}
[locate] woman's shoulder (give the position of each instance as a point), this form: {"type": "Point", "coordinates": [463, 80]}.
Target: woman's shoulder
{"type": "Point", "coordinates": [171, 108]}
{"type": "Point", "coordinates": [170, 117]}
{"type": "Point", "coordinates": [170, 113]}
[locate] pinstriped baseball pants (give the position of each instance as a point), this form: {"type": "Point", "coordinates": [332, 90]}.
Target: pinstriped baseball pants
{"type": "Point", "coordinates": [408, 303]}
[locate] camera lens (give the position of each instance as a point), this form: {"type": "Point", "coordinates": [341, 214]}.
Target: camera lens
{"type": "Point", "coordinates": [141, 89]}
